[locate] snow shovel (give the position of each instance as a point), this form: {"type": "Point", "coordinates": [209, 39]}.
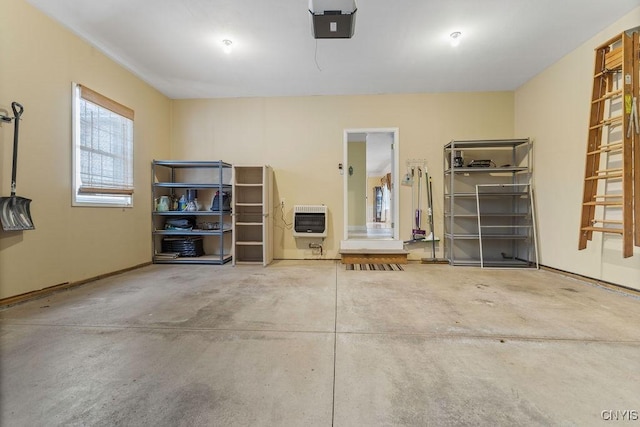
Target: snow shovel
{"type": "Point", "coordinates": [14, 211]}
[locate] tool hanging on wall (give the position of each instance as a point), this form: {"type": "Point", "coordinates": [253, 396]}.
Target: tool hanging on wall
{"type": "Point", "coordinates": [432, 235]}
{"type": "Point", "coordinates": [418, 233]}
{"type": "Point", "coordinates": [633, 119]}
{"type": "Point", "coordinates": [418, 166]}
{"type": "Point", "coordinates": [15, 213]}
{"type": "Point", "coordinates": [408, 177]}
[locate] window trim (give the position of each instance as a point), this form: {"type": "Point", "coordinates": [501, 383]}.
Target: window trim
{"type": "Point", "coordinates": [87, 196]}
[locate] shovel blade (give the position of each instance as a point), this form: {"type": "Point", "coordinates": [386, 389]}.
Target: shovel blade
{"type": "Point", "coordinates": [15, 213]}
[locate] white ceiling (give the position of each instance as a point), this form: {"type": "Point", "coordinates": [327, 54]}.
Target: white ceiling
{"type": "Point", "coordinates": [399, 46]}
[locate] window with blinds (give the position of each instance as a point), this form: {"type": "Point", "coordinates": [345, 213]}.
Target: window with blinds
{"type": "Point", "coordinates": [103, 150]}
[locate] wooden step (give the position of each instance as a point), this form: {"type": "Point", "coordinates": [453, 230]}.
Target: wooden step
{"type": "Point", "coordinates": [607, 221]}
{"type": "Point", "coordinates": [603, 203]}
{"type": "Point", "coordinates": [605, 196]}
{"type": "Point", "coordinates": [609, 95]}
{"type": "Point", "coordinates": [612, 121]}
{"type": "Point", "coordinates": [374, 256]}
{"type": "Point", "coordinates": [605, 148]}
{"type": "Point", "coordinates": [603, 229]}
{"type": "Point", "coordinates": [605, 176]}
{"type": "Point", "coordinates": [613, 59]}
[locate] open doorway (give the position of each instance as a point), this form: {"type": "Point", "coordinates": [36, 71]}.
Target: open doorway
{"type": "Point", "coordinates": [370, 177]}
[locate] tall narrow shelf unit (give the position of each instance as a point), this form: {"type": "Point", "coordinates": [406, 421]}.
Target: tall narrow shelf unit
{"type": "Point", "coordinates": [489, 216]}
{"type": "Point", "coordinates": [252, 217]}
{"type": "Point", "coordinates": [211, 229]}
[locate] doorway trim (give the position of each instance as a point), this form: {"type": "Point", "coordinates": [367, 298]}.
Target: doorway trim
{"type": "Point", "coordinates": [394, 177]}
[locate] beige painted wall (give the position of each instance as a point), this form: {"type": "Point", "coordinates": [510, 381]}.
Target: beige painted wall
{"type": "Point", "coordinates": [553, 109]}
{"type": "Point", "coordinates": [38, 61]}
{"type": "Point", "coordinates": [357, 183]}
{"type": "Point", "coordinates": [302, 138]}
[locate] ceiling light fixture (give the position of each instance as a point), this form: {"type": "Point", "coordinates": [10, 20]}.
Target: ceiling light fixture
{"type": "Point", "coordinates": [455, 38]}
{"type": "Point", "coordinates": [227, 46]}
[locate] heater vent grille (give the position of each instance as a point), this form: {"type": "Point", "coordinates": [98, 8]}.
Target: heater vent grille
{"type": "Point", "coordinates": [309, 221]}
{"type": "Point", "coordinates": [310, 209]}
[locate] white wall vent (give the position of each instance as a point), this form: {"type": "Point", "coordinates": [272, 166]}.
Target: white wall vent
{"type": "Point", "coordinates": [309, 221]}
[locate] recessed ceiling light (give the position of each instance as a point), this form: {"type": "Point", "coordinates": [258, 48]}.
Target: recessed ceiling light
{"type": "Point", "coordinates": [227, 45]}
{"type": "Point", "coordinates": [455, 38]}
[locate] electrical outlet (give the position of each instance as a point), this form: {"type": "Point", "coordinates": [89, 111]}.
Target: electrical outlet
{"type": "Point", "coordinates": [282, 203]}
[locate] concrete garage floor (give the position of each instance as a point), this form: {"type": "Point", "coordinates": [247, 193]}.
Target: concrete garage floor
{"type": "Point", "coordinates": [305, 343]}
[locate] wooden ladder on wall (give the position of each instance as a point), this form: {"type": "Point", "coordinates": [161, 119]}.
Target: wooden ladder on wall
{"type": "Point", "coordinates": [608, 198]}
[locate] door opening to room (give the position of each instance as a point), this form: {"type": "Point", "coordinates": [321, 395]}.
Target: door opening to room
{"type": "Point", "coordinates": [370, 159]}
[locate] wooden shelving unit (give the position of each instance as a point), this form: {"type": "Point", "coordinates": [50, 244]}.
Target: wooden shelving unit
{"type": "Point", "coordinates": [252, 216]}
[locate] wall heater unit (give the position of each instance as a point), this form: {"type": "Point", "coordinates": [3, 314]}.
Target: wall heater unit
{"type": "Point", "coordinates": [309, 221]}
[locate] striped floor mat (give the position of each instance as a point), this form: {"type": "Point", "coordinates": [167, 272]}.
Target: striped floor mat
{"type": "Point", "coordinates": [380, 267]}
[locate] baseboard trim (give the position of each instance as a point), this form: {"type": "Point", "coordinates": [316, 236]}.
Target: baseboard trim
{"type": "Point", "coordinates": [17, 299]}
{"type": "Point", "coordinates": [45, 292]}
{"type": "Point", "coordinates": [591, 280]}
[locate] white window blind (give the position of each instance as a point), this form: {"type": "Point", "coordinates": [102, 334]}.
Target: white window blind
{"type": "Point", "coordinates": [104, 149]}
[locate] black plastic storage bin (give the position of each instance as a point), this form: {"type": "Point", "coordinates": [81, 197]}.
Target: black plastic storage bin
{"type": "Point", "coordinates": [185, 246]}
